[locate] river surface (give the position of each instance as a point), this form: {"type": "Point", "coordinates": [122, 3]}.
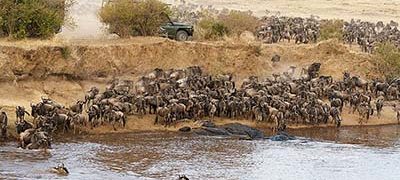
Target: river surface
{"type": "Point", "coordinates": [323, 153]}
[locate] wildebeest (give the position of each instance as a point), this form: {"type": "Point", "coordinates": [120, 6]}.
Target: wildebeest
{"type": "Point", "coordinates": [35, 139]}
{"type": "Point", "coordinates": [190, 94]}
{"type": "Point", "coordinates": [312, 71]}
{"type": "Point", "coordinates": [3, 124]}
{"type": "Point", "coordinates": [78, 107]}
{"type": "Point", "coordinates": [276, 58]}
{"type": "Point", "coordinates": [20, 113]}
{"type": "Point", "coordinates": [21, 126]}
{"type": "Point", "coordinates": [60, 169]}
{"type": "Point", "coordinates": [379, 105]}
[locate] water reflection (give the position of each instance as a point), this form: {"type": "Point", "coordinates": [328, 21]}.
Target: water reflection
{"type": "Point", "coordinates": [381, 136]}
{"type": "Point", "coordinates": [165, 155]}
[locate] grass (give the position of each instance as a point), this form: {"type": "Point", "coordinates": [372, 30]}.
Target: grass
{"type": "Point", "coordinates": [66, 52]}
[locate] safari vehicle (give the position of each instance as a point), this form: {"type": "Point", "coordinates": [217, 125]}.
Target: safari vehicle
{"type": "Point", "coordinates": [176, 30]}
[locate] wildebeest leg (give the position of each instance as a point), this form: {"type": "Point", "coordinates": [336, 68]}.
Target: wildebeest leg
{"type": "Point", "coordinates": [123, 121]}
{"type": "Point", "coordinates": [113, 124]}
{"type": "Point", "coordinates": [22, 144]}
{"type": "Point", "coordinates": [338, 122]}
{"type": "Point", "coordinates": [156, 120]}
{"type": "Point", "coordinates": [34, 122]}
{"type": "Point", "coordinates": [398, 117]}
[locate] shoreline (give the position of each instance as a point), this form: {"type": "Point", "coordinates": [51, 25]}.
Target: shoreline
{"type": "Point", "coordinates": [132, 127]}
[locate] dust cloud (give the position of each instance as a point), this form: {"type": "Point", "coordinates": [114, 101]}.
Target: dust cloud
{"type": "Point", "coordinates": [86, 22]}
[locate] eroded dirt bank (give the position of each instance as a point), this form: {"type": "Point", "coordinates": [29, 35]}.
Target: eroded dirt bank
{"type": "Point", "coordinates": [131, 58]}
{"type": "Point", "coordinates": [63, 71]}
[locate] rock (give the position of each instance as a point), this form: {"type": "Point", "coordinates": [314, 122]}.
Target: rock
{"type": "Point", "coordinates": [282, 136]}
{"type": "Point", "coordinates": [234, 129]}
{"type": "Point", "coordinates": [185, 129]}
{"type": "Point", "coordinates": [207, 131]}
{"type": "Point", "coordinates": [240, 129]}
{"type": "Point", "coordinates": [279, 138]}
{"type": "Point", "coordinates": [208, 123]}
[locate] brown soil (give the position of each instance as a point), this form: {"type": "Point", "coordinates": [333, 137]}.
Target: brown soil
{"type": "Point", "coordinates": [133, 57]}
{"type": "Point", "coordinates": [63, 71]}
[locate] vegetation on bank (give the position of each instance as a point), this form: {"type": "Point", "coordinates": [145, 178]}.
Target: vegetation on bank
{"type": "Point", "coordinates": [144, 18]}
{"type": "Point", "coordinates": [32, 18]}
{"type": "Point", "coordinates": [228, 23]}
{"type": "Point", "coordinates": [388, 60]}
{"type": "Point", "coordinates": [331, 29]}
{"type": "Point", "coordinates": [134, 18]}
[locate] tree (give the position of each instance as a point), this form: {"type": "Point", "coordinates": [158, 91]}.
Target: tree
{"type": "Point", "coordinates": [32, 18]}
{"type": "Point", "coordinates": [134, 18]}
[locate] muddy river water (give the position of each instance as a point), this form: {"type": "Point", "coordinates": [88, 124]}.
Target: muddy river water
{"type": "Point", "coordinates": [323, 153]}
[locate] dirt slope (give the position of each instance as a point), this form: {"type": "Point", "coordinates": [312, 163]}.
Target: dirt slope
{"type": "Point", "coordinates": [130, 58]}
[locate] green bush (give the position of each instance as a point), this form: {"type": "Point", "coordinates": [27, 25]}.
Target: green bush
{"type": "Point", "coordinates": [331, 29]}
{"type": "Point", "coordinates": [32, 18]}
{"type": "Point", "coordinates": [228, 23]}
{"type": "Point", "coordinates": [388, 60]}
{"type": "Point", "coordinates": [239, 21]}
{"type": "Point", "coordinates": [210, 28]}
{"type": "Point", "coordinates": [134, 18]}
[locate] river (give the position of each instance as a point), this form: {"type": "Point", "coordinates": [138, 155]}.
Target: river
{"type": "Point", "coordinates": [323, 153]}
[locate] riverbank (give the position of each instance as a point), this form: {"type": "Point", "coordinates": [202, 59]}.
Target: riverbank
{"type": "Point", "coordinates": [145, 123]}
{"type": "Point", "coordinates": [64, 71]}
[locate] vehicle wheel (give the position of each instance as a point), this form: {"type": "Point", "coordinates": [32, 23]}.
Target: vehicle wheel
{"type": "Point", "coordinates": [182, 36]}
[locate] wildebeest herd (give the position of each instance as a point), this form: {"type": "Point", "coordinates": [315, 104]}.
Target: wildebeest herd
{"type": "Point", "coordinates": [276, 29]}
{"type": "Point", "coordinates": [307, 30]}
{"type": "Point", "coordinates": [367, 34]}
{"type": "Point", "coordinates": [177, 94]}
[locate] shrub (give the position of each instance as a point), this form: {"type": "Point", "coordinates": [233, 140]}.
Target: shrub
{"type": "Point", "coordinates": [32, 18]}
{"type": "Point", "coordinates": [210, 28]}
{"type": "Point", "coordinates": [134, 18]}
{"type": "Point", "coordinates": [388, 60]}
{"type": "Point", "coordinates": [239, 21]}
{"type": "Point", "coordinates": [331, 29]}
{"type": "Point", "coordinates": [226, 23]}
